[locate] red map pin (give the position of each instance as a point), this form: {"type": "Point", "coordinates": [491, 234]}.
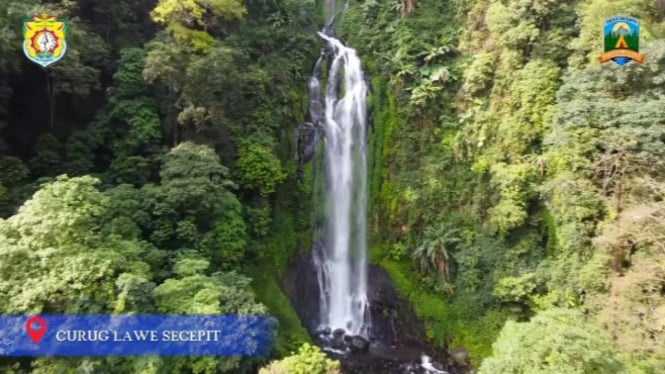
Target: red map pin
{"type": "Point", "coordinates": [35, 333]}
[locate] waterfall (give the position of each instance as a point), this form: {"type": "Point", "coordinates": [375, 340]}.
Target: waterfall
{"type": "Point", "coordinates": [341, 250]}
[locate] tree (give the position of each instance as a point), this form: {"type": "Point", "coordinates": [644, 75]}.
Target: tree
{"type": "Point", "coordinates": [554, 341]}
{"type": "Point", "coordinates": [10, 44]}
{"type": "Point", "coordinates": [192, 208]}
{"type": "Point", "coordinates": [135, 228]}
{"type": "Point", "coordinates": [10, 34]}
{"type": "Point", "coordinates": [197, 13]}
{"type": "Point", "coordinates": [13, 173]}
{"type": "Point", "coordinates": [433, 252]}
{"type": "Point", "coordinates": [631, 303]}
{"type": "Point", "coordinates": [189, 21]}
{"type": "Point", "coordinates": [604, 143]}
{"type": "Point", "coordinates": [165, 66]}
{"type": "Point", "coordinates": [60, 228]}
{"type": "Point", "coordinates": [258, 168]}
{"type": "Point", "coordinates": [133, 113]}
{"type": "Point", "coordinates": [121, 23]}
{"type": "Point", "coordinates": [48, 156]}
{"type": "Point", "coordinates": [308, 360]}
{"type": "Point", "coordinates": [195, 182]}
{"type": "Point", "coordinates": [193, 292]}
{"type": "Point", "coordinates": [75, 249]}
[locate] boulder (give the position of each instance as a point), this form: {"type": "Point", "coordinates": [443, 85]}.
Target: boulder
{"type": "Point", "coordinates": [338, 340]}
{"type": "Point", "coordinates": [358, 344]}
{"type": "Point", "coordinates": [306, 142]}
{"type": "Point", "coordinates": [460, 356]}
{"type": "Point", "coordinates": [338, 333]}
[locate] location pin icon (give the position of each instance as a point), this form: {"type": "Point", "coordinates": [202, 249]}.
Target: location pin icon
{"type": "Point", "coordinates": [35, 327]}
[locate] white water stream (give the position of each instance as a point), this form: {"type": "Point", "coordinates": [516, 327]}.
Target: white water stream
{"type": "Point", "coordinates": [339, 109]}
{"type": "Point", "coordinates": [342, 262]}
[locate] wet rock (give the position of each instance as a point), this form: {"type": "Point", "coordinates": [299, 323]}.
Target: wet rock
{"type": "Point", "coordinates": [460, 356]}
{"type": "Point", "coordinates": [347, 342]}
{"type": "Point", "coordinates": [302, 288]}
{"type": "Point", "coordinates": [324, 332]}
{"type": "Point", "coordinates": [339, 339]}
{"type": "Point", "coordinates": [358, 344]}
{"type": "Point", "coordinates": [307, 134]}
{"type": "Point", "coordinates": [393, 319]}
{"type": "Point", "coordinates": [398, 337]}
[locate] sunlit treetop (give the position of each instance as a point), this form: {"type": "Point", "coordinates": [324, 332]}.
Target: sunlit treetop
{"type": "Point", "coordinates": [197, 13]}
{"type": "Point", "coordinates": [189, 21]}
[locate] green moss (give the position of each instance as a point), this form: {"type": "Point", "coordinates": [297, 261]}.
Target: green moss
{"type": "Point", "coordinates": [278, 248]}
{"type": "Point", "coordinates": [384, 137]}
{"type": "Point", "coordinates": [289, 229]}
{"type": "Point", "coordinates": [549, 226]}
{"type": "Point", "coordinates": [474, 332]}
{"type": "Point", "coordinates": [429, 307]}
{"type": "Point", "coordinates": [290, 332]}
{"type": "Point", "coordinates": [271, 266]}
{"type": "Point", "coordinates": [440, 316]}
{"type": "Point", "coordinates": [290, 224]}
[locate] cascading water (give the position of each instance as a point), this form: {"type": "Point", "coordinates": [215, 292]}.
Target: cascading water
{"type": "Point", "coordinates": [341, 257]}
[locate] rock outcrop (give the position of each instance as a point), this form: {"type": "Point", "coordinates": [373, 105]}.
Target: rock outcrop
{"type": "Point", "coordinates": [397, 340]}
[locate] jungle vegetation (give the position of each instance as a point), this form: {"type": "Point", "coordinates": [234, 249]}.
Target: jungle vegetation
{"type": "Point", "coordinates": [517, 185]}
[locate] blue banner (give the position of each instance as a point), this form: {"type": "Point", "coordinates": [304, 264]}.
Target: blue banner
{"type": "Point", "coordinates": [119, 335]}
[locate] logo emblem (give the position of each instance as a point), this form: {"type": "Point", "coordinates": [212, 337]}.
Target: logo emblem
{"type": "Point", "coordinates": [44, 39]}
{"type": "Point", "coordinates": [621, 36]}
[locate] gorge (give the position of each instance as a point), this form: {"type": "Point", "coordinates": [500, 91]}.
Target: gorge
{"type": "Point", "coordinates": [339, 120]}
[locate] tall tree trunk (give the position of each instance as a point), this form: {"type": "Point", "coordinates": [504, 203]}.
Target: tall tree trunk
{"type": "Point", "coordinates": [51, 99]}
{"type": "Point", "coordinates": [108, 28]}
{"type": "Point", "coordinates": [408, 7]}
{"type": "Point", "coordinates": [621, 172]}
{"type": "Point", "coordinates": [659, 10]}
{"type": "Point", "coordinates": [171, 113]}
{"type": "Point", "coordinates": [176, 131]}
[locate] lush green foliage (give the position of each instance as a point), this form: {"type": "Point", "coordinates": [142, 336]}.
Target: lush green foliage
{"type": "Point", "coordinates": [258, 168]}
{"type": "Point", "coordinates": [141, 172]}
{"type": "Point", "coordinates": [308, 360]}
{"type": "Point", "coordinates": [554, 341]}
{"type": "Point", "coordinates": [63, 253]}
{"type": "Point", "coordinates": [530, 150]}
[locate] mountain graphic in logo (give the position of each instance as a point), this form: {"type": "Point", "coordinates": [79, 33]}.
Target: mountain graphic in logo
{"type": "Point", "coordinates": [621, 36]}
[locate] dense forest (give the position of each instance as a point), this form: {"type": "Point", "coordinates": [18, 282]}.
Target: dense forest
{"type": "Point", "coordinates": [517, 185]}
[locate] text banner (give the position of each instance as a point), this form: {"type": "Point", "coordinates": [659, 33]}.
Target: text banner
{"type": "Point", "coordinates": [119, 335]}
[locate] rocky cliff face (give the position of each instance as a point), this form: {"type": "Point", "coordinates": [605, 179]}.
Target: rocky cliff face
{"type": "Point", "coordinates": [393, 321]}
{"type": "Point", "coordinates": [397, 338]}
{"type": "Point", "coordinates": [300, 285]}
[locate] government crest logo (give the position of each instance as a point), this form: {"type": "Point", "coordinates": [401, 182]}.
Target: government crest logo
{"type": "Point", "coordinates": [622, 40]}
{"type": "Point", "coordinates": [44, 39]}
